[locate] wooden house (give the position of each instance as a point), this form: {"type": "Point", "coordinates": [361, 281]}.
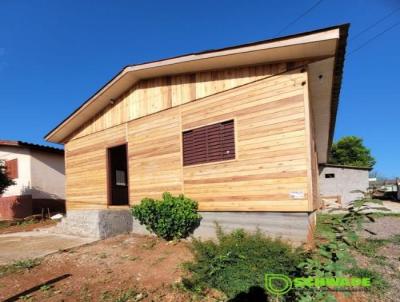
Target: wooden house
{"type": "Point", "coordinates": [240, 129]}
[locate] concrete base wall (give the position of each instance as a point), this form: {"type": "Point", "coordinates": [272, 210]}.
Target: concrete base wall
{"type": "Point", "coordinates": [294, 227]}
{"type": "Point", "coordinates": [96, 223]}
{"type": "Point", "coordinates": [289, 226]}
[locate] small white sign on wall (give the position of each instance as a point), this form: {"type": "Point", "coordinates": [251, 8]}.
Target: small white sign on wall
{"type": "Point", "coordinates": [297, 195]}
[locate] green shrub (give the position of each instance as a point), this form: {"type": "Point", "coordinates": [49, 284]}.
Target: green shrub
{"type": "Point", "coordinates": [238, 262]}
{"type": "Point", "coordinates": [169, 218]}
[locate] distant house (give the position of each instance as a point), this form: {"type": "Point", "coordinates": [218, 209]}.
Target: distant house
{"type": "Point", "coordinates": [337, 182]}
{"type": "Point", "coordinates": [38, 173]}
{"type": "Point", "coordinates": [241, 130]}
{"type": "Point", "coordinates": [385, 188]}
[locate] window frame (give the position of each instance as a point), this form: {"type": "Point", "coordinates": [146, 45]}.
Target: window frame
{"type": "Point", "coordinates": [13, 172]}
{"type": "Point", "coordinates": [210, 162]}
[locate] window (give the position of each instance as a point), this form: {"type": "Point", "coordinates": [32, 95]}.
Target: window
{"type": "Point", "coordinates": [209, 143]}
{"type": "Point", "coordinates": [12, 168]}
{"type": "Point", "coordinates": [120, 178]}
{"type": "Point", "coordinates": [330, 175]}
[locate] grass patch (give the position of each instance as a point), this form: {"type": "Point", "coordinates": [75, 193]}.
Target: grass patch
{"type": "Point", "coordinates": [18, 266]}
{"type": "Point", "coordinates": [385, 214]}
{"type": "Point", "coordinates": [131, 295]}
{"type": "Point", "coordinates": [395, 239]}
{"type": "Point", "coordinates": [238, 262]}
{"type": "Point", "coordinates": [370, 247]}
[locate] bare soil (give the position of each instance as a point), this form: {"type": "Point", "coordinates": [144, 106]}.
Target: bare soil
{"type": "Point", "coordinates": [26, 226]}
{"type": "Point", "coordinates": [387, 259]}
{"type": "Point", "coordinates": [144, 268]}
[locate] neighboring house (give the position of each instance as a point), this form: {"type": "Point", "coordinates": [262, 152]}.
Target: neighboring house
{"type": "Point", "coordinates": [240, 129]}
{"type": "Point", "coordinates": [337, 182]}
{"type": "Point", "coordinates": [385, 188]}
{"type": "Point", "coordinates": [38, 173]}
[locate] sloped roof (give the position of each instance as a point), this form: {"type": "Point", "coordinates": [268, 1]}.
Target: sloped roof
{"type": "Point", "coordinates": [21, 144]}
{"type": "Point", "coordinates": [324, 42]}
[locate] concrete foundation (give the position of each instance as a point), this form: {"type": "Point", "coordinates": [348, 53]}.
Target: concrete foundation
{"type": "Point", "coordinates": [295, 227]}
{"type": "Point", "coordinates": [96, 223]}
{"type": "Point", "coordinates": [289, 226]}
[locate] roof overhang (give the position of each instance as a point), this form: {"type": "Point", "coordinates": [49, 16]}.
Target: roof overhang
{"type": "Point", "coordinates": [21, 144]}
{"type": "Point", "coordinates": [321, 43]}
{"type": "Point", "coordinates": [345, 167]}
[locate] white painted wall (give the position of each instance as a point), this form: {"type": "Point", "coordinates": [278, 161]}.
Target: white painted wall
{"type": "Point", "coordinates": [23, 182]}
{"type": "Point", "coordinates": [47, 175]}
{"type": "Point", "coordinates": [345, 181]}
{"type": "Point", "coordinates": [40, 174]}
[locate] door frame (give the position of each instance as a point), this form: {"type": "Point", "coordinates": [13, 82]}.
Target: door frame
{"type": "Point", "coordinates": [109, 178]}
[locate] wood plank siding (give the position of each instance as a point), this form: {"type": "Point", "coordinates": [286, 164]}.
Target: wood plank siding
{"type": "Point", "coordinates": [273, 141]}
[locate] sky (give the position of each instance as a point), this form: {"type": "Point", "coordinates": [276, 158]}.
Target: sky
{"type": "Point", "coordinates": [55, 54]}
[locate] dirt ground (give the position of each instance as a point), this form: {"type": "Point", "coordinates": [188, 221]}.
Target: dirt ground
{"type": "Point", "coordinates": [5, 228]}
{"type": "Point", "coordinates": [142, 268]}
{"type": "Point", "coordinates": [386, 260]}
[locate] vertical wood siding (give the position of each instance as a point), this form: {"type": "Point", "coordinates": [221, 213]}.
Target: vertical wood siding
{"type": "Point", "coordinates": [153, 95]}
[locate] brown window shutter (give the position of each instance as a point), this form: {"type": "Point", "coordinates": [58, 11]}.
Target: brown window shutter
{"type": "Point", "coordinates": [209, 143]}
{"type": "Point", "coordinates": [12, 168]}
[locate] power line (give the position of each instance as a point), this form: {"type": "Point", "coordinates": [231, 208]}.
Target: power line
{"type": "Point", "coordinates": [374, 24]}
{"type": "Point", "coordinates": [301, 16]}
{"type": "Point", "coordinates": [374, 37]}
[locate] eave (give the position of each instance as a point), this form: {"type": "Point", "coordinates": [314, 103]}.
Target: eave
{"type": "Point", "coordinates": [328, 42]}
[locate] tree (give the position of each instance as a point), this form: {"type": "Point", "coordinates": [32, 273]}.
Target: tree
{"type": "Point", "coordinates": [5, 181]}
{"type": "Point", "coordinates": [350, 151]}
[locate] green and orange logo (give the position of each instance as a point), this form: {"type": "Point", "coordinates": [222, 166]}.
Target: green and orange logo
{"type": "Point", "coordinates": [279, 284]}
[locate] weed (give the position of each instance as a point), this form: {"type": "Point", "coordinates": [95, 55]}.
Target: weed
{"type": "Point", "coordinates": [239, 261]}
{"type": "Point", "coordinates": [388, 214]}
{"type": "Point", "coordinates": [103, 255]}
{"type": "Point", "coordinates": [149, 245]}
{"type": "Point", "coordinates": [26, 263]}
{"type": "Point", "coordinates": [380, 260]}
{"type": "Point", "coordinates": [130, 258]}
{"type": "Point", "coordinates": [18, 266]}
{"type": "Point", "coordinates": [130, 295]}
{"type": "Point", "coordinates": [26, 298]}
{"type": "Point", "coordinates": [45, 288]}
{"type": "Point", "coordinates": [106, 296]}
{"type": "Point", "coordinates": [395, 239]}
{"type": "Point", "coordinates": [370, 247]}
